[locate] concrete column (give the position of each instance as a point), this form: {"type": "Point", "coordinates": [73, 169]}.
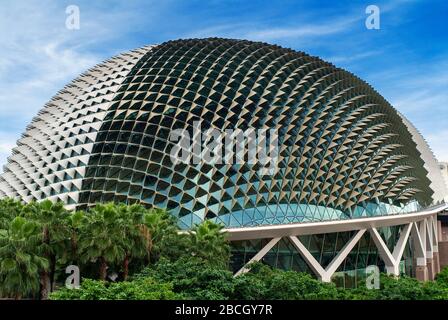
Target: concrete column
{"type": "Point", "coordinates": [443, 254]}
{"type": "Point", "coordinates": [430, 265]}
{"type": "Point", "coordinates": [436, 262]}
{"type": "Point", "coordinates": [421, 273]}
{"type": "Point", "coordinates": [421, 269]}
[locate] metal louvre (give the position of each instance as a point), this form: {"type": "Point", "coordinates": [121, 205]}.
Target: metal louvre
{"type": "Point", "coordinates": [51, 156]}
{"type": "Point", "coordinates": [344, 151]}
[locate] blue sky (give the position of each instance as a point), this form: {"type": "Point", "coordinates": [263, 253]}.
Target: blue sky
{"type": "Point", "coordinates": [406, 60]}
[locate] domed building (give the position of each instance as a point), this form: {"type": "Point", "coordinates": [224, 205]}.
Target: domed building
{"type": "Point", "coordinates": [354, 182]}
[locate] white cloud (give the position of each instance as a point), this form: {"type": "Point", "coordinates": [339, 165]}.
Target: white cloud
{"type": "Point", "coordinates": [439, 143]}
{"type": "Point", "coordinates": [353, 57]}
{"type": "Point", "coordinates": [7, 142]}
{"type": "Point", "coordinates": [259, 31]}
{"type": "Point", "coordinates": [421, 89]}
{"type": "Point", "coordinates": [299, 31]}
{"type": "Point", "coordinates": [420, 93]}
{"type": "Point", "coordinates": [39, 55]}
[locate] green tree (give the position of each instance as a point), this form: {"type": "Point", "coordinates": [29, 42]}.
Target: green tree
{"type": "Point", "coordinates": [402, 288]}
{"type": "Point", "coordinates": [193, 278]}
{"type": "Point", "coordinates": [140, 289]}
{"type": "Point", "coordinates": [164, 239]}
{"type": "Point", "coordinates": [277, 284]}
{"type": "Point", "coordinates": [101, 237]}
{"type": "Point", "coordinates": [56, 231]}
{"type": "Point", "coordinates": [136, 236]}
{"type": "Point", "coordinates": [9, 209]}
{"type": "Point", "coordinates": [208, 242]}
{"type": "Point", "coordinates": [20, 262]}
{"type": "Point", "coordinates": [248, 287]}
{"type": "Point", "coordinates": [442, 277]}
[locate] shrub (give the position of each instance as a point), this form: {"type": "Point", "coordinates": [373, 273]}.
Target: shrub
{"type": "Point", "coordinates": [289, 285]}
{"type": "Point", "coordinates": [140, 289]}
{"type": "Point", "coordinates": [249, 287]}
{"type": "Point", "coordinates": [194, 278]}
{"type": "Point", "coordinates": [442, 277]}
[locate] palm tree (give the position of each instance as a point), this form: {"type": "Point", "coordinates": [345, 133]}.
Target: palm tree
{"type": "Point", "coordinates": [208, 241]}
{"type": "Point", "coordinates": [76, 222]}
{"type": "Point", "coordinates": [102, 237]}
{"type": "Point", "coordinates": [53, 218]}
{"type": "Point", "coordinates": [160, 226]}
{"type": "Point", "coordinates": [20, 262]}
{"type": "Point", "coordinates": [136, 239]}
{"type": "Point", "coordinates": [9, 209]}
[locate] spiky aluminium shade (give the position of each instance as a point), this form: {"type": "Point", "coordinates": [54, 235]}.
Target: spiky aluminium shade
{"type": "Point", "coordinates": [344, 151]}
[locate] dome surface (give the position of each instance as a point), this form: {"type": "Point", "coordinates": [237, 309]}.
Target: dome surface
{"type": "Point", "coordinates": [344, 151]}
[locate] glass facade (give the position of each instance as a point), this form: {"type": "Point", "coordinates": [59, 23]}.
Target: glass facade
{"type": "Point", "coordinates": [324, 248]}
{"type": "Point", "coordinates": [344, 151]}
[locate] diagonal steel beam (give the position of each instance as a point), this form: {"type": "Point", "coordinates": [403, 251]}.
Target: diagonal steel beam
{"type": "Point", "coordinates": [343, 253]}
{"type": "Point", "coordinates": [308, 257]}
{"type": "Point", "coordinates": [258, 256]}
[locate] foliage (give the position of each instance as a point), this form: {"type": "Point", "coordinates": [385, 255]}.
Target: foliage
{"type": "Point", "coordinates": [52, 217]}
{"type": "Point", "coordinates": [208, 242]}
{"type": "Point", "coordinates": [264, 282]}
{"type": "Point", "coordinates": [9, 209]}
{"type": "Point", "coordinates": [136, 238]}
{"type": "Point", "coordinates": [55, 239]}
{"type": "Point", "coordinates": [141, 289]}
{"type": "Point", "coordinates": [402, 288]}
{"type": "Point", "coordinates": [165, 241]}
{"type": "Point", "coordinates": [102, 237]}
{"type": "Point", "coordinates": [21, 260]}
{"type": "Point", "coordinates": [164, 263]}
{"type": "Point", "coordinates": [442, 277]}
{"type": "Point", "coordinates": [194, 278]}
{"type": "Point", "coordinates": [108, 236]}
{"type": "Point", "coordinates": [116, 234]}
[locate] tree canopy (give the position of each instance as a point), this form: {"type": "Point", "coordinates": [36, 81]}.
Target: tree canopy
{"type": "Point", "coordinates": [133, 252]}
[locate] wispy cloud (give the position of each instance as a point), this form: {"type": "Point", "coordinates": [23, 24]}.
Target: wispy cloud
{"type": "Point", "coordinates": [7, 142]}
{"type": "Point", "coordinates": [418, 88]}
{"type": "Point", "coordinates": [439, 145]}
{"type": "Point", "coordinates": [420, 92]}
{"type": "Point", "coordinates": [353, 57]}
{"type": "Point", "coordinates": [299, 31]}
{"type": "Point", "coordinates": [262, 31]}
{"type": "Point", "coordinates": [39, 55]}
